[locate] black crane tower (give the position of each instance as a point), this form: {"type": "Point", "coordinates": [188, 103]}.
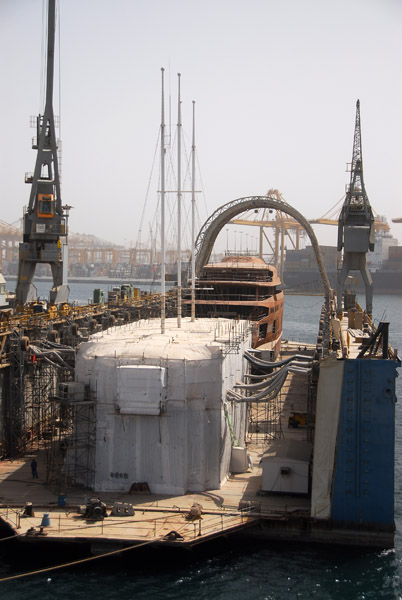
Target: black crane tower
{"type": "Point", "coordinates": [45, 219]}
{"type": "Point", "coordinates": [356, 224]}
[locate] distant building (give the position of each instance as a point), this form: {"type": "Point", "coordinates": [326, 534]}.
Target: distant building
{"type": "Point", "coordinates": [3, 295]}
{"type": "Point", "coordinates": [305, 260]}
{"type": "Point", "coordinates": [383, 242]}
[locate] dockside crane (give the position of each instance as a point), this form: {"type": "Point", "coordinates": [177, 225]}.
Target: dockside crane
{"type": "Point", "coordinates": [356, 224]}
{"type": "Point", "coordinates": [45, 223]}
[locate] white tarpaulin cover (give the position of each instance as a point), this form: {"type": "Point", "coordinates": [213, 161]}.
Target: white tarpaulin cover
{"type": "Point", "coordinates": [326, 431]}
{"type": "Point", "coordinates": [160, 415]}
{"type": "Point", "coordinates": [139, 389]}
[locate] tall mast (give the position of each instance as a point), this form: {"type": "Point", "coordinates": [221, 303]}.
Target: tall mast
{"type": "Point", "coordinates": [179, 194]}
{"type": "Point", "coordinates": [163, 287]}
{"type": "Point", "coordinates": [193, 220]}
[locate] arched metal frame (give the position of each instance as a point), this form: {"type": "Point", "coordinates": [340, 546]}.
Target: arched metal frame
{"type": "Point", "coordinates": [215, 223]}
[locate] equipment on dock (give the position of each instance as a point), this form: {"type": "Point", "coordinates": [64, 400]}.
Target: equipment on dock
{"type": "Point", "coordinates": [28, 510]}
{"type": "Point", "coordinates": [195, 512]}
{"type": "Point", "coordinates": [45, 520]}
{"type": "Point", "coordinates": [122, 509]}
{"type": "Point", "coordinates": [297, 419]}
{"type": "Point", "coordinates": [286, 467]}
{"type": "Point", "coordinates": [45, 219]}
{"type": "Point", "coordinates": [95, 510]}
{"type": "Point", "coordinates": [356, 224]}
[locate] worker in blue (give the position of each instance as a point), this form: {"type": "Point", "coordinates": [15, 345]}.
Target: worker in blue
{"type": "Point", "coordinates": [34, 468]}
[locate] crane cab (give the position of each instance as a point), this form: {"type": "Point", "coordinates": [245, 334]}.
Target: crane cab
{"type": "Point", "coordinates": [45, 206]}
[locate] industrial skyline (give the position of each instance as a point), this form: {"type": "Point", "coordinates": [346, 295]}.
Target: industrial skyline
{"type": "Point", "coordinates": [275, 86]}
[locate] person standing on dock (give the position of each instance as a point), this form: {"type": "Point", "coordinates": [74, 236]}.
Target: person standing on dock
{"type": "Point", "coordinates": [34, 468]}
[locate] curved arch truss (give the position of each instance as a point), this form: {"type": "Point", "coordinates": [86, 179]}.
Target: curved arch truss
{"type": "Point", "coordinates": [215, 223]}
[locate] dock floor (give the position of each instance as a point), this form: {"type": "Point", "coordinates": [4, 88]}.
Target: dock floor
{"type": "Point", "coordinates": [237, 504]}
{"type": "Point", "coordinates": [155, 516]}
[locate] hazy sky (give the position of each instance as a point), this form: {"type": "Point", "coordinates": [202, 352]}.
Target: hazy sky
{"type": "Point", "coordinates": [275, 84]}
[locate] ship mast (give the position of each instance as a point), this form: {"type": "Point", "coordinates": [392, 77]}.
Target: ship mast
{"type": "Point", "coordinates": [179, 198]}
{"type": "Point", "coordinates": [163, 285]}
{"type": "Point", "coordinates": [45, 219]}
{"type": "Point", "coordinates": [193, 220]}
{"type": "Point", "coordinates": [356, 224]}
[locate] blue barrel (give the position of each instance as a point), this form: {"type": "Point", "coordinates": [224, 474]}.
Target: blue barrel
{"type": "Point", "coordinates": [45, 520]}
{"type": "Point", "coordinates": [62, 500]}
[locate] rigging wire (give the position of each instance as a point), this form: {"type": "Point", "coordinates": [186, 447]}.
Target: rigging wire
{"type": "Point", "coordinates": [76, 562]}
{"type": "Point", "coordinates": [304, 307]}
{"type": "Point", "coordinates": [170, 193]}
{"type": "Point", "coordinates": [147, 192]}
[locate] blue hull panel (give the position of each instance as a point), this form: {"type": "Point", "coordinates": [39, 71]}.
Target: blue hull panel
{"type": "Point", "coordinates": [363, 487]}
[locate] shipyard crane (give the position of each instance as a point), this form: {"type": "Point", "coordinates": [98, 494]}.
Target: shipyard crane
{"type": "Point", "coordinates": [282, 224]}
{"type": "Point", "coordinates": [356, 224]}
{"type": "Point", "coordinates": [45, 219]}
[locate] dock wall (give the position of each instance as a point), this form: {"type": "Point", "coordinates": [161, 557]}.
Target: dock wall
{"type": "Point", "coordinates": [363, 487]}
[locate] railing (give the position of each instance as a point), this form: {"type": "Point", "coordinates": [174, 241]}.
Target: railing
{"type": "Point", "coordinates": [11, 515]}
{"type": "Point", "coordinates": [53, 228]}
{"type": "Point", "coordinates": [213, 295]}
{"type": "Point", "coordinates": [158, 526]}
{"type": "Point", "coordinates": [247, 276]}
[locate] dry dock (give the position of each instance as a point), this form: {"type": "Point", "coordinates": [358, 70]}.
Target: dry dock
{"type": "Point", "coordinates": [239, 507]}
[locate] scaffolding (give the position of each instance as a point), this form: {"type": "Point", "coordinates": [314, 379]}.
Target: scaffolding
{"type": "Point", "coordinates": [43, 409]}
{"type": "Point", "coordinates": [40, 383]}
{"type": "Point", "coordinates": [293, 406]}
{"type": "Point", "coordinates": [265, 421]}
{"type": "Point", "coordinates": [71, 451]}
{"type": "Point", "coordinates": [14, 398]}
{"type": "Point", "coordinates": [29, 384]}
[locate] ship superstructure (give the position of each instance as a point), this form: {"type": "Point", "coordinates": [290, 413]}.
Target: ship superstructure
{"type": "Point", "coordinates": [243, 287]}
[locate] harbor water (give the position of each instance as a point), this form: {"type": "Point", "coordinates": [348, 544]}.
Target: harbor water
{"type": "Point", "coordinates": [239, 570]}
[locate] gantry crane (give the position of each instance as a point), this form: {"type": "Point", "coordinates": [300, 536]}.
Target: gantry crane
{"type": "Point", "coordinates": [45, 219]}
{"type": "Point", "coordinates": [282, 224]}
{"type": "Point", "coordinates": [356, 224]}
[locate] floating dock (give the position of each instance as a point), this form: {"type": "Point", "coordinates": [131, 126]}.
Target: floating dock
{"type": "Point", "coordinates": [239, 507]}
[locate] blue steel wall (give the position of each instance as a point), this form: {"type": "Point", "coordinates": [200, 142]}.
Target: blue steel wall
{"type": "Point", "coordinates": [363, 488]}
